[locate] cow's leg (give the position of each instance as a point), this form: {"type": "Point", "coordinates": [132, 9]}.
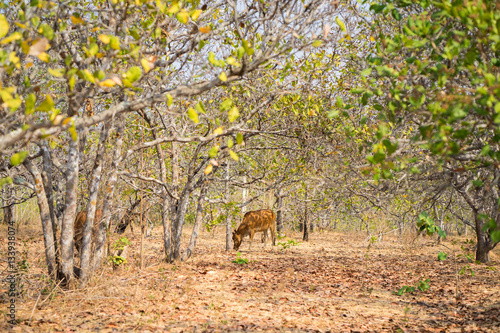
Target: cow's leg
{"type": "Point", "coordinates": [265, 238]}
{"type": "Point", "coordinates": [252, 233]}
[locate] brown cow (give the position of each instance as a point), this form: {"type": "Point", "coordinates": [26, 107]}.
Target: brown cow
{"type": "Point", "coordinates": [256, 221]}
{"type": "Point", "coordinates": [80, 220]}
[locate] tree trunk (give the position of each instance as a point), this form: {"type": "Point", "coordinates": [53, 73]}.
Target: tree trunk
{"type": "Point", "coordinates": [197, 223]}
{"type": "Point", "coordinates": [67, 261]}
{"type": "Point", "coordinates": [483, 242]}
{"type": "Point", "coordinates": [244, 196]}
{"type": "Point", "coordinates": [49, 192]}
{"type": "Point", "coordinates": [179, 224]}
{"type": "Point", "coordinates": [279, 213]}
{"type": "Point", "coordinates": [48, 234]}
{"type": "Point", "coordinates": [92, 206]}
{"type": "Point", "coordinates": [305, 237]}
{"type": "Point", "coordinates": [171, 230]}
{"type": "Point", "coordinates": [228, 219]}
{"type": "Point", "coordinates": [108, 200]}
{"type": "Point", "coordinates": [8, 213]}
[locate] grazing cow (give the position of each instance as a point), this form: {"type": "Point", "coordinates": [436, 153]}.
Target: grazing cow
{"type": "Point", "coordinates": [80, 220]}
{"type": "Point", "coordinates": [256, 221]}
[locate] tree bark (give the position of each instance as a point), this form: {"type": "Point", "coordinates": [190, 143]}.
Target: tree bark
{"type": "Point", "coordinates": [48, 234]}
{"type": "Point", "coordinates": [108, 199]}
{"type": "Point", "coordinates": [49, 192]}
{"type": "Point", "coordinates": [279, 213]}
{"type": "Point", "coordinates": [92, 206]}
{"type": "Point", "coordinates": [483, 242]}
{"type": "Point", "coordinates": [67, 261]}
{"type": "Point", "coordinates": [171, 230]}
{"type": "Point", "coordinates": [197, 222]}
{"type": "Point", "coordinates": [228, 219]}
{"type": "Point", "coordinates": [8, 213]}
{"type": "Point", "coordinates": [305, 237]}
{"type": "Point", "coordinates": [179, 223]}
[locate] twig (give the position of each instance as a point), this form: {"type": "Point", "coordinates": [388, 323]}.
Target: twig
{"type": "Point", "coordinates": [34, 306]}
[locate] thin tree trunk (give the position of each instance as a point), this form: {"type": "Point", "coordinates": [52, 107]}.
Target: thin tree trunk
{"type": "Point", "coordinates": [482, 250]}
{"type": "Point", "coordinates": [171, 231]}
{"type": "Point", "coordinates": [67, 261]}
{"type": "Point", "coordinates": [228, 219]}
{"type": "Point", "coordinates": [108, 200]}
{"type": "Point", "coordinates": [179, 223]}
{"type": "Point", "coordinates": [305, 226]}
{"type": "Point", "coordinates": [7, 203]}
{"type": "Point", "coordinates": [279, 213]}
{"type": "Point", "coordinates": [197, 223]}
{"type": "Point", "coordinates": [245, 193]}
{"type": "Point", "coordinates": [48, 234]}
{"type": "Point", "coordinates": [92, 206]}
{"type": "Point", "coordinates": [47, 183]}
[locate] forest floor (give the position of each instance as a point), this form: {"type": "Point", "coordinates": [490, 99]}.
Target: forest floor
{"type": "Point", "coordinates": [334, 282]}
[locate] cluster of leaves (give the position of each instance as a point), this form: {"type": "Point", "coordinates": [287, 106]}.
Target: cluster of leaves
{"type": "Point", "coordinates": [239, 260]}
{"type": "Point", "coordinates": [426, 223]}
{"type": "Point", "coordinates": [286, 245]}
{"type": "Point", "coordinates": [422, 285]}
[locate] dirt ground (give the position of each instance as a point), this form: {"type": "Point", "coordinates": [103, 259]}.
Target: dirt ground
{"type": "Point", "coordinates": [334, 282]}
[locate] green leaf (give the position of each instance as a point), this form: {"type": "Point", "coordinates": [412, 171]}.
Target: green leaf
{"type": "Point", "coordinates": [442, 256]}
{"type": "Point", "coordinates": [213, 151]}
{"type": "Point", "coordinates": [5, 181]}
{"type": "Point", "coordinates": [93, 49]}
{"type": "Point", "coordinates": [223, 76]}
{"type": "Point", "coordinates": [317, 43]}
{"type": "Point", "coordinates": [213, 61]}
{"type": "Point", "coordinates": [232, 61]}
{"type": "Point", "coordinates": [47, 31]}
{"type": "Point", "coordinates": [4, 26]}
{"type": "Point", "coordinates": [396, 14]}
{"type": "Point", "coordinates": [73, 132]}
{"type": "Point", "coordinates": [193, 115]}
{"type": "Point", "coordinates": [133, 74]}
{"type": "Point", "coordinates": [18, 158]}
{"type": "Point", "coordinates": [366, 72]}
{"type": "Point", "coordinates": [30, 104]}
{"type": "Point", "coordinates": [247, 48]}
{"type": "Point", "coordinates": [170, 100]}
{"type": "Point", "coordinates": [226, 104]}
{"type": "Point", "coordinates": [341, 24]}
{"type": "Point", "coordinates": [230, 143]}
{"type": "Point", "coordinates": [233, 114]}
{"type": "Point", "coordinates": [495, 236]}
{"type": "Point", "coordinates": [333, 113]}
{"type": "Point", "coordinates": [182, 16]}
{"type": "Point", "coordinates": [239, 138]}
{"type": "Point", "coordinates": [56, 72]}
{"type": "Point", "coordinates": [477, 183]}
{"type": "Point", "coordinates": [114, 42]}
{"type": "Point", "coordinates": [47, 105]}
{"type": "Point", "coordinates": [241, 52]}
{"type": "Point", "coordinates": [200, 107]}
{"type": "Point", "coordinates": [234, 156]}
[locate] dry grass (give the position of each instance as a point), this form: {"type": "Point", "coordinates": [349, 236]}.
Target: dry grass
{"type": "Point", "coordinates": [333, 282]}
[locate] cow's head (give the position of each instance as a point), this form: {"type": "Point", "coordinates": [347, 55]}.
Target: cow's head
{"type": "Point", "coordinates": [236, 240]}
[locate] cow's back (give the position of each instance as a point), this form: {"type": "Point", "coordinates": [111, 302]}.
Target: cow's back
{"type": "Point", "coordinates": [260, 220]}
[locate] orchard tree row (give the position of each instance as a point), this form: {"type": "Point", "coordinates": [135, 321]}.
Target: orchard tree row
{"type": "Point", "coordinates": [332, 113]}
